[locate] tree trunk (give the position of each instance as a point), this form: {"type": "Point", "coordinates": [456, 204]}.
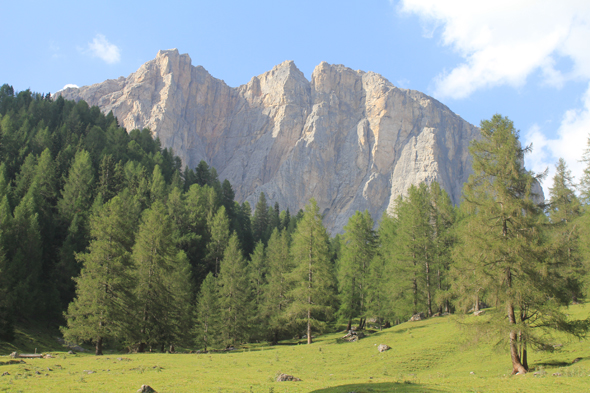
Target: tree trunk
{"type": "Point", "coordinates": [349, 326]}
{"type": "Point", "coordinates": [141, 348]}
{"type": "Point", "coordinates": [524, 358]}
{"type": "Point", "coordinates": [517, 367]}
{"type": "Point", "coordinates": [362, 324]}
{"type": "Point", "coordinates": [428, 291]}
{"type": "Point", "coordinates": [309, 326]}
{"type": "Point", "coordinates": [98, 350]}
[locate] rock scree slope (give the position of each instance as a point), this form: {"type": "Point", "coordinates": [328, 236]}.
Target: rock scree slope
{"type": "Point", "coordinates": [350, 139]}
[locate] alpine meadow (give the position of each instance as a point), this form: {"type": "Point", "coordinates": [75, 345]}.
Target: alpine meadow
{"type": "Point", "coordinates": [119, 268]}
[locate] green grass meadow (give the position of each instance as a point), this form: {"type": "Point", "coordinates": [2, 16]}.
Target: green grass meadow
{"type": "Point", "coordinates": [436, 355]}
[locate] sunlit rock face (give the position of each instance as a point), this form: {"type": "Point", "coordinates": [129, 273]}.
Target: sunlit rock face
{"type": "Point", "coordinates": [350, 139]}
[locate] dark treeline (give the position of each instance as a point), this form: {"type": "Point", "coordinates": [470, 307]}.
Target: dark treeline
{"type": "Point", "coordinates": [103, 233]}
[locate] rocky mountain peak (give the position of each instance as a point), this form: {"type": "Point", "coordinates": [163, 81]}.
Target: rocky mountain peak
{"type": "Point", "coordinates": [350, 139]}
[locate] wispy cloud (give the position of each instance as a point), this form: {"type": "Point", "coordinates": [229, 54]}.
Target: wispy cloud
{"type": "Point", "coordinates": [100, 47]}
{"type": "Point", "coordinates": [504, 41]}
{"type": "Point", "coordinates": [569, 143]}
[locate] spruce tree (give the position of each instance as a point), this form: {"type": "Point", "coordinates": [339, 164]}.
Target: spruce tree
{"type": "Point", "coordinates": [312, 278]}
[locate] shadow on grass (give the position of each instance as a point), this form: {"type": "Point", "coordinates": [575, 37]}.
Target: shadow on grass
{"type": "Point", "coordinates": [552, 363]}
{"type": "Point", "coordinates": [378, 388]}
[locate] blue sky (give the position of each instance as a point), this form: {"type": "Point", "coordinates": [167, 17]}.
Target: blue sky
{"type": "Point", "coordinates": [528, 60]}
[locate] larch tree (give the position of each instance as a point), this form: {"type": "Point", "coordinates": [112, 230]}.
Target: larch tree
{"type": "Point", "coordinates": [162, 280]}
{"type": "Point", "coordinates": [234, 294]}
{"type": "Point", "coordinates": [443, 221]}
{"type": "Point", "coordinates": [312, 278]}
{"type": "Point", "coordinates": [276, 300]}
{"type": "Point", "coordinates": [565, 211]}
{"type": "Point", "coordinates": [219, 238]}
{"type": "Point", "coordinates": [505, 229]}
{"type": "Point", "coordinates": [257, 270]}
{"type": "Point", "coordinates": [413, 253]}
{"type": "Point", "coordinates": [353, 267]}
{"type": "Point", "coordinates": [103, 301]}
{"type": "Point", "coordinates": [261, 220]}
{"type": "Point", "coordinates": [208, 318]}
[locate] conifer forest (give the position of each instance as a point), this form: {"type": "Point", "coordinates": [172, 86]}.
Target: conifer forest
{"type": "Point", "coordinates": [105, 235]}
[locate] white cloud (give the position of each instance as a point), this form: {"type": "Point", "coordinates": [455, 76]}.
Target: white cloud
{"type": "Point", "coordinates": [504, 41]}
{"type": "Point", "coordinates": [570, 142]}
{"type": "Point", "coordinates": [103, 49]}
{"type": "Point", "coordinates": [70, 85]}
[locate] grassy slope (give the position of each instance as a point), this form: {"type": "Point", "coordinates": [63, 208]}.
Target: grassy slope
{"type": "Point", "coordinates": [426, 356]}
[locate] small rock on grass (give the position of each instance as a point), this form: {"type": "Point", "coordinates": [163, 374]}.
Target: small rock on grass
{"type": "Point", "coordinates": [146, 389]}
{"type": "Point", "coordinates": [383, 347]}
{"type": "Point", "coordinates": [286, 377]}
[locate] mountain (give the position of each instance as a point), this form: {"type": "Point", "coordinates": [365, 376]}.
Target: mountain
{"type": "Point", "coordinates": [350, 139]}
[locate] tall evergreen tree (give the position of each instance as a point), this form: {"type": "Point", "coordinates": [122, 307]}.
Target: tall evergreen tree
{"type": "Point", "coordinates": [207, 325]}
{"type": "Point", "coordinates": [565, 211]}
{"type": "Point", "coordinates": [312, 277]}
{"type": "Point", "coordinates": [353, 267]}
{"type": "Point", "coordinates": [506, 229]}
{"type": "Point", "coordinates": [219, 230]}
{"type": "Point", "coordinates": [162, 278]}
{"type": "Point", "coordinates": [261, 220]}
{"type": "Point", "coordinates": [443, 221]}
{"type": "Point", "coordinates": [103, 303]}
{"type": "Point", "coordinates": [234, 295]}
{"type": "Point", "coordinates": [276, 300]}
{"type": "Point", "coordinates": [77, 192]}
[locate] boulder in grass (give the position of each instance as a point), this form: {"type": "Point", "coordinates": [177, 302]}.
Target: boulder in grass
{"type": "Point", "coordinates": [286, 377]}
{"type": "Point", "coordinates": [146, 389]}
{"type": "Point", "coordinates": [417, 317]}
{"type": "Point", "coordinates": [383, 347]}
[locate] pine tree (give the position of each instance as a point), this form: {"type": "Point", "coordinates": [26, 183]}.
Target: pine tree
{"type": "Point", "coordinates": [312, 277]}
{"type": "Point", "coordinates": [103, 303]}
{"type": "Point", "coordinates": [234, 295]}
{"type": "Point", "coordinates": [506, 230]}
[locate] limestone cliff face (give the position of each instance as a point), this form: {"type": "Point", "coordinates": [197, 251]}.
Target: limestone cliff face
{"type": "Point", "coordinates": [350, 139]}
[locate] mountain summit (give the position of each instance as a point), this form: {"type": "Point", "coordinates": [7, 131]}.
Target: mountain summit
{"type": "Point", "coordinates": [350, 139]}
